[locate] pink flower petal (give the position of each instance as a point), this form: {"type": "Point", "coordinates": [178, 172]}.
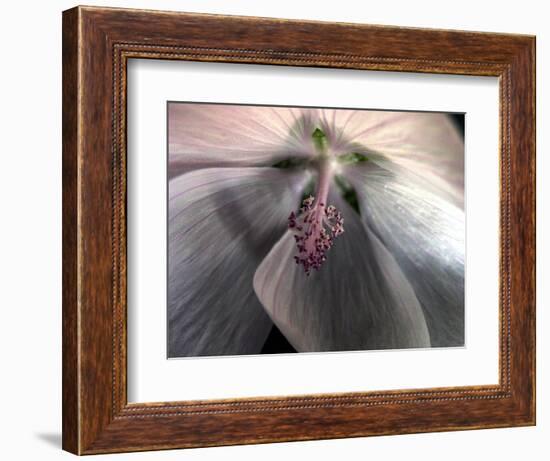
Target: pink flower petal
{"type": "Point", "coordinates": [428, 144]}
{"type": "Point", "coordinates": [214, 135]}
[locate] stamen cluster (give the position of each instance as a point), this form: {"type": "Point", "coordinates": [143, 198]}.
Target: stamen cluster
{"type": "Point", "coordinates": [315, 228]}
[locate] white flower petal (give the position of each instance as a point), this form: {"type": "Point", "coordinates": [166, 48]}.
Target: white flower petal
{"type": "Point", "coordinates": [222, 222]}
{"type": "Point", "coordinates": [425, 233]}
{"type": "Point", "coordinates": [214, 135]}
{"type": "Point", "coordinates": [358, 300]}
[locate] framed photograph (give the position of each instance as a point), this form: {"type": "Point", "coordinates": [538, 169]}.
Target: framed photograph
{"type": "Point", "coordinates": [280, 230]}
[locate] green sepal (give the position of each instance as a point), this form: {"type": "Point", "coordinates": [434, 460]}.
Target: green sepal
{"type": "Point", "coordinates": [348, 192]}
{"type": "Point", "coordinates": [291, 162]}
{"type": "Point", "coordinates": [352, 157]}
{"type": "Point", "coordinates": [319, 140]}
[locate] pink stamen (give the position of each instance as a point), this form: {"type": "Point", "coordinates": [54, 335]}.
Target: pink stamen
{"type": "Point", "coordinates": [316, 225]}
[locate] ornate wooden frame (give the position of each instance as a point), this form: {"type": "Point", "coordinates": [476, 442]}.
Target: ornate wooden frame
{"type": "Point", "coordinates": [97, 43]}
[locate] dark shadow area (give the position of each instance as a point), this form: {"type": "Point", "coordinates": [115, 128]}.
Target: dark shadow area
{"type": "Point", "coordinates": [276, 343]}
{"type": "Point", "coordinates": [459, 122]}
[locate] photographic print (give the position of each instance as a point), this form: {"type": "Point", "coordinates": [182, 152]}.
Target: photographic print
{"type": "Point", "coordinates": [301, 229]}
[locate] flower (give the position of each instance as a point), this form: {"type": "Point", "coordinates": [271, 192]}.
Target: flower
{"type": "Point", "coordinates": [344, 228]}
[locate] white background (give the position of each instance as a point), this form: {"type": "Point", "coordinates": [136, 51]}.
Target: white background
{"type": "Point", "coordinates": [153, 378]}
{"type": "Point", "coordinates": [30, 247]}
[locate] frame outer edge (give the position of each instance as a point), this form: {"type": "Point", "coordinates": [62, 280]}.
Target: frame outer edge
{"type": "Point", "coordinates": [532, 142]}
{"type": "Point", "coordinates": [70, 178]}
{"type": "Point", "coordinates": [522, 239]}
{"type": "Point", "coordinates": [91, 419]}
{"type": "Point", "coordinates": [533, 55]}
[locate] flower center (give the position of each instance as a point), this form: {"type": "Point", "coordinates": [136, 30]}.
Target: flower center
{"type": "Point", "coordinates": [316, 225]}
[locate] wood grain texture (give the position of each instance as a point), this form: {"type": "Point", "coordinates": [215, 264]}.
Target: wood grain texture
{"type": "Point", "coordinates": [97, 43]}
{"type": "Point", "coordinates": [70, 384]}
